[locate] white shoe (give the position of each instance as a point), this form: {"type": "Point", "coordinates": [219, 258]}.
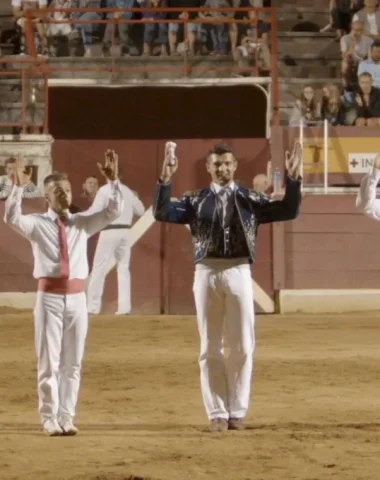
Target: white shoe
{"type": "Point", "coordinates": [51, 427]}
{"type": "Point", "coordinates": [87, 52]}
{"type": "Point", "coordinates": [67, 425]}
{"type": "Point", "coordinates": [122, 313]}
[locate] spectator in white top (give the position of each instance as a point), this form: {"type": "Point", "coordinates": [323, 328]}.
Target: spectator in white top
{"type": "Point", "coordinates": [19, 8]}
{"type": "Point", "coordinates": [60, 28]}
{"type": "Point", "coordinates": [370, 16]}
{"type": "Point", "coordinates": [372, 64]}
{"type": "Point", "coordinates": [6, 181]}
{"type": "Point", "coordinates": [355, 47]}
{"type": "Point", "coordinates": [306, 108]}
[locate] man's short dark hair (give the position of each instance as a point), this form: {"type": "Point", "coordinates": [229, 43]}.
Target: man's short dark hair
{"type": "Point", "coordinates": [55, 177]}
{"type": "Point", "coordinates": [220, 149]}
{"type": "Point", "coordinates": [91, 176]}
{"type": "Point", "coordinates": [376, 44]}
{"type": "Point", "coordinates": [10, 161]}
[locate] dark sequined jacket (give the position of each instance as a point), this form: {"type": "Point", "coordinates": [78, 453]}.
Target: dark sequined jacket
{"type": "Point", "coordinates": [198, 209]}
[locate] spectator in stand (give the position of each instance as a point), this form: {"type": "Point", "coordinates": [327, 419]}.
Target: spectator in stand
{"type": "Point", "coordinates": [59, 29]}
{"type": "Point", "coordinates": [370, 16]}
{"type": "Point", "coordinates": [154, 30]}
{"type": "Point", "coordinates": [342, 12]}
{"type": "Point", "coordinates": [250, 51]}
{"type": "Point", "coordinates": [7, 181]}
{"type": "Point", "coordinates": [90, 188]}
{"type": "Point", "coordinates": [218, 31]}
{"type": "Point", "coordinates": [123, 28]}
{"type": "Point", "coordinates": [355, 47]}
{"type": "Point", "coordinates": [19, 8]}
{"type": "Point", "coordinates": [262, 27]}
{"type": "Point", "coordinates": [307, 108]}
{"type": "Point", "coordinates": [372, 64]}
{"type": "Point", "coordinates": [367, 102]}
{"type": "Point", "coordinates": [86, 29]}
{"type": "Point", "coordinates": [194, 33]}
{"type": "Point", "coordinates": [332, 106]}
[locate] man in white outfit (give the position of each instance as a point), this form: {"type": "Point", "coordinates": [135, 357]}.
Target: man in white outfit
{"type": "Point", "coordinates": [366, 198]}
{"type": "Point", "coordinates": [223, 220]}
{"type": "Point", "coordinates": [113, 248]}
{"type": "Point", "coordinates": [59, 245]}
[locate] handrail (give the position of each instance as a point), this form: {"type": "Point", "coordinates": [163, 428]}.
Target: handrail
{"type": "Point", "coordinates": [23, 123]}
{"type": "Point", "coordinates": [271, 18]}
{"type": "Point", "coordinates": [41, 66]}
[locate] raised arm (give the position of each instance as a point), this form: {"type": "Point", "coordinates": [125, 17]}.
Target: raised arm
{"type": "Point", "coordinates": [366, 198]}
{"type": "Point", "coordinates": [165, 209]}
{"type": "Point", "coordinates": [23, 224]}
{"type": "Point", "coordinates": [171, 211]}
{"type": "Point", "coordinates": [106, 207]}
{"type": "Point", "coordinates": [269, 211]}
{"type": "Point", "coordinates": [94, 220]}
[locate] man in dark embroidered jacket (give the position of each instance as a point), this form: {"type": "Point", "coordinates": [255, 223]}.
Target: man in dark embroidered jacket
{"type": "Point", "coordinates": [223, 220]}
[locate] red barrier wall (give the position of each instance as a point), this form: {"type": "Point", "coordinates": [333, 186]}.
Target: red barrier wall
{"type": "Point", "coordinates": [162, 265]}
{"type": "Point", "coordinates": [332, 245]}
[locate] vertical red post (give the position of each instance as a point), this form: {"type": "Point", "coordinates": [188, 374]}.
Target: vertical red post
{"type": "Point", "coordinates": [29, 35]}
{"type": "Point", "coordinates": [46, 101]}
{"type": "Point", "coordinates": [186, 68]}
{"type": "Point", "coordinates": [23, 101]}
{"type": "Point", "coordinates": [275, 86]}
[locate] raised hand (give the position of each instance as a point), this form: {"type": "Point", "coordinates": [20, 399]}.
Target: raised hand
{"type": "Point", "coordinates": [110, 169]}
{"type": "Point", "coordinates": [293, 161]}
{"type": "Point", "coordinates": [23, 174]}
{"type": "Point", "coordinates": [169, 167]}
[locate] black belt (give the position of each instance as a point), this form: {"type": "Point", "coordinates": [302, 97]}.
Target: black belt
{"type": "Point", "coordinates": [116, 227]}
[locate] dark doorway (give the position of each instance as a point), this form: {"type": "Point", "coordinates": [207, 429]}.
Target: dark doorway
{"type": "Point", "coordinates": [157, 112]}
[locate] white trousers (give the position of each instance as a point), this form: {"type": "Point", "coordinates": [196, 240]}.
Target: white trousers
{"type": "Point", "coordinates": [60, 336]}
{"type": "Point", "coordinates": [225, 304]}
{"type": "Point", "coordinates": [113, 248]}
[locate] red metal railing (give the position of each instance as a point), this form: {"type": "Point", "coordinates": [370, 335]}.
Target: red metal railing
{"type": "Point", "coordinates": [26, 73]}
{"type": "Point", "coordinates": [40, 66]}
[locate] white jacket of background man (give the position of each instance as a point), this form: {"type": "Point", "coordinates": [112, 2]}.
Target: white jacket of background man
{"type": "Point", "coordinates": [114, 249]}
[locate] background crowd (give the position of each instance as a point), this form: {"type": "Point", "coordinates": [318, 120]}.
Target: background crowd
{"type": "Point", "coordinates": [146, 38]}
{"type": "Point", "coordinates": [356, 99]}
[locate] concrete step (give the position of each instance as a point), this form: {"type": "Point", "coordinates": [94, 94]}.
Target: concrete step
{"type": "Point", "coordinates": [312, 66]}
{"type": "Point", "coordinates": [14, 113]}
{"type": "Point", "coordinates": [290, 18]}
{"type": "Point", "coordinates": [141, 68]}
{"type": "Point", "coordinates": [302, 43]}
{"type": "Point", "coordinates": [301, 4]}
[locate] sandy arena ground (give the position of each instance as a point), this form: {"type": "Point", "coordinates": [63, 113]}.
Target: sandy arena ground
{"type": "Point", "coordinates": [315, 406]}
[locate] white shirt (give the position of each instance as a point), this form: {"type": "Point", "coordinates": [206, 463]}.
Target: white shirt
{"type": "Point", "coordinates": [230, 202]}
{"type": "Point", "coordinates": [132, 204]}
{"type": "Point", "coordinates": [366, 198]}
{"type": "Point", "coordinates": [373, 30]}
{"type": "Point", "coordinates": [42, 232]}
{"type": "Point", "coordinates": [372, 24]}
{"type": "Point", "coordinates": [29, 3]}
{"type": "Point", "coordinates": [217, 264]}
